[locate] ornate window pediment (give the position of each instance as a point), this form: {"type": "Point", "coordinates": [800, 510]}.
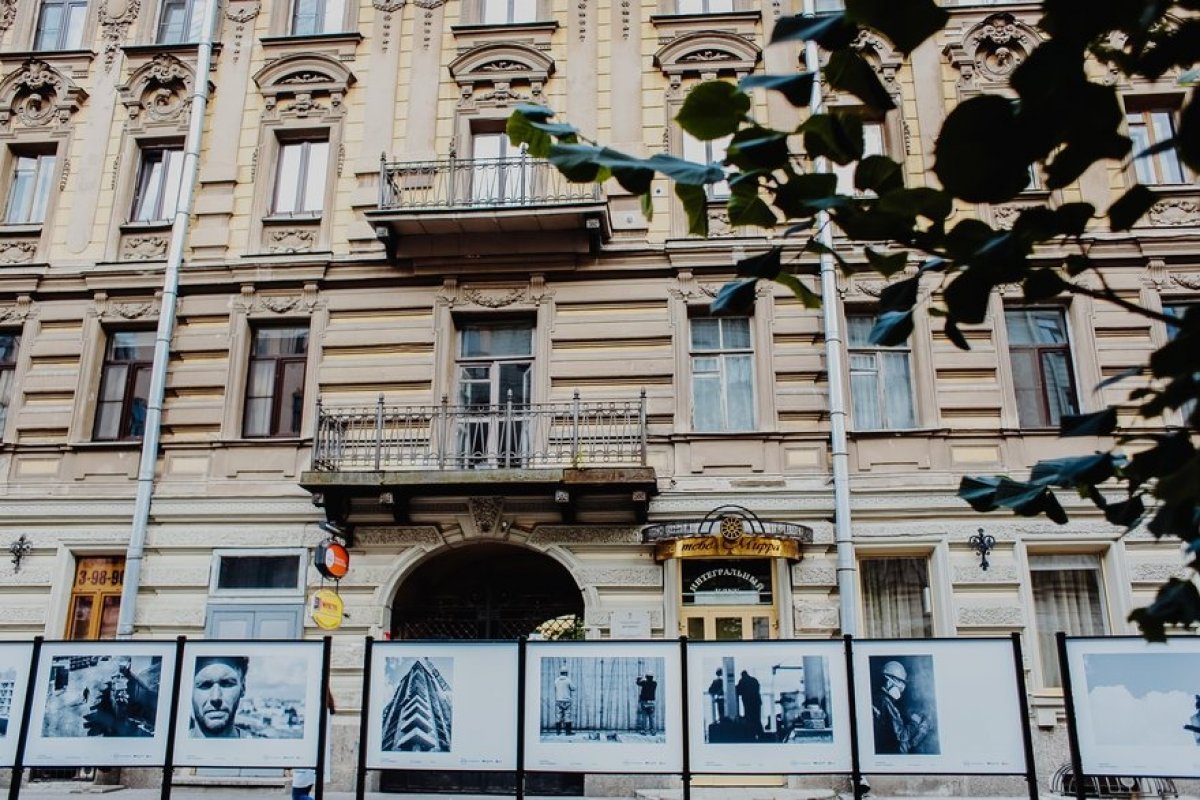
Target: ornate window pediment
{"type": "Point", "coordinates": [159, 90]}
{"type": "Point", "coordinates": [499, 66]}
{"type": "Point", "coordinates": [707, 53]}
{"type": "Point", "coordinates": [990, 50]}
{"type": "Point", "coordinates": [304, 85]}
{"type": "Point", "coordinates": [38, 95]}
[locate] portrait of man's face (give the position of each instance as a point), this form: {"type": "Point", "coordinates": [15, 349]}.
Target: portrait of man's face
{"type": "Point", "coordinates": [216, 691]}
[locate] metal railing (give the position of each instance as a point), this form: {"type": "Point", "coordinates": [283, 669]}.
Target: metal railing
{"type": "Point", "coordinates": [478, 183]}
{"type": "Point", "coordinates": [458, 437]}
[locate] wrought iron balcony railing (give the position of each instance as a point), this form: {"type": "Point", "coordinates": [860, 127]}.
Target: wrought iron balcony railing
{"type": "Point", "coordinates": [480, 183]}
{"type": "Point", "coordinates": [459, 437]}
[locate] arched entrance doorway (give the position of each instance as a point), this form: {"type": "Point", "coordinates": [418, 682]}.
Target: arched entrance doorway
{"type": "Point", "coordinates": [486, 591]}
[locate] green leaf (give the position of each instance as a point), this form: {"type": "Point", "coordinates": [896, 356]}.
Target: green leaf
{"type": "Point", "coordinates": [1189, 133]}
{"type": "Point", "coordinates": [906, 23]}
{"type": "Point", "coordinates": [1077, 264]}
{"type": "Point", "coordinates": [1127, 513]}
{"type": "Point", "coordinates": [695, 205]}
{"type": "Point", "coordinates": [647, 205]}
{"type": "Point", "coordinates": [756, 148]}
{"type": "Point", "coordinates": [901, 295]}
{"type": "Point", "coordinates": [750, 210]}
{"type": "Point", "coordinates": [815, 246]}
{"type": "Point", "coordinates": [976, 159]}
{"type": "Point", "coordinates": [713, 109]}
{"type": "Point", "coordinates": [886, 264]}
{"type": "Point", "coordinates": [1073, 218]}
{"type": "Point", "coordinates": [956, 336]}
{"type": "Point", "coordinates": [933, 204]}
{"type": "Point", "coordinates": [736, 298]}
{"type": "Point", "coordinates": [521, 130]}
{"type": "Point", "coordinates": [892, 328]}
{"type": "Point", "coordinates": [967, 297]}
{"type": "Point", "coordinates": [800, 195]}
{"type": "Point", "coordinates": [980, 492]}
{"type": "Point", "coordinates": [796, 88]}
{"type": "Point", "coordinates": [1177, 603]}
{"type": "Point", "coordinates": [764, 265]}
{"type": "Point", "coordinates": [1042, 284]}
{"type": "Point", "coordinates": [1130, 207]}
{"type": "Point", "coordinates": [807, 297]}
{"type": "Point", "coordinates": [850, 72]}
{"type": "Point", "coordinates": [1120, 376]}
{"type": "Point", "coordinates": [1073, 471]}
{"type": "Point", "coordinates": [878, 174]}
{"type": "Point", "coordinates": [1099, 423]}
{"type": "Point", "coordinates": [635, 180]}
{"type": "Point", "coordinates": [831, 32]}
{"type": "Point", "coordinates": [681, 171]}
{"type": "Point", "coordinates": [1029, 500]}
{"type": "Point", "coordinates": [837, 136]}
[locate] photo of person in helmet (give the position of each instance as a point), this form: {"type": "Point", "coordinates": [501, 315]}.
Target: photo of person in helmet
{"type": "Point", "coordinates": [902, 705]}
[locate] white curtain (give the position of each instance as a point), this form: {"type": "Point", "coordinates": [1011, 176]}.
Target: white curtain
{"type": "Point", "coordinates": [1066, 597]}
{"type": "Point", "coordinates": [894, 598]}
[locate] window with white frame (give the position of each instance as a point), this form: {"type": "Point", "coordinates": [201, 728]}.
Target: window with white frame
{"type": "Point", "coordinates": [1040, 353]}
{"type": "Point", "coordinates": [873, 145]}
{"type": "Point", "coordinates": [829, 6]}
{"type": "Point", "coordinates": [8, 371]}
{"type": "Point", "coordinates": [60, 25]}
{"type": "Point", "coordinates": [160, 173]}
{"type": "Point", "coordinates": [1178, 310]}
{"type": "Point", "coordinates": [881, 389]}
{"type": "Point", "coordinates": [495, 374]}
{"type": "Point", "coordinates": [722, 363]}
{"type": "Point", "coordinates": [258, 571]}
{"type": "Point", "coordinates": [1068, 596]}
{"type": "Point", "coordinates": [1153, 121]}
{"type": "Point", "coordinates": [896, 598]}
{"type": "Point", "coordinates": [313, 17]}
{"type": "Point", "coordinates": [124, 386]}
{"type": "Point", "coordinates": [29, 187]}
{"type": "Point", "coordinates": [181, 21]}
{"type": "Point", "coordinates": [275, 387]}
{"type": "Point", "coordinates": [703, 6]}
{"type": "Point", "coordinates": [508, 12]}
{"type": "Point", "coordinates": [501, 173]}
{"type": "Point", "coordinates": [712, 151]}
{"type": "Point", "coordinates": [300, 177]}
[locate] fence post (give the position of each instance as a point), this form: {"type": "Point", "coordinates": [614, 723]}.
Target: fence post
{"type": "Point", "coordinates": [383, 180]}
{"type": "Point", "coordinates": [642, 423]}
{"type": "Point", "coordinates": [506, 429]}
{"type": "Point", "coordinates": [318, 445]}
{"type": "Point", "coordinates": [378, 432]}
{"type": "Point", "coordinates": [575, 429]}
{"type": "Point", "coordinates": [444, 424]}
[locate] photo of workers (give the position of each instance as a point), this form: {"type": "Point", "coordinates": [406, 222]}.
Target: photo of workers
{"type": "Point", "coordinates": [14, 677]}
{"type": "Point", "coordinates": [250, 704]}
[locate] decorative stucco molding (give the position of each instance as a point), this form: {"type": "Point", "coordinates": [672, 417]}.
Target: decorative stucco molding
{"type": "Point", "coordinates": [304, 85]}
{"type": "Point", "coordinates": [38, 95]}
{"type": "Point", "coordinates": [496, 66]}
{"type": "Point", "coordinates": [115, 18]}
{"type": "Point", "coordinates": [990, 50]}
{"type": "Point", "coordinates": [159, 90]}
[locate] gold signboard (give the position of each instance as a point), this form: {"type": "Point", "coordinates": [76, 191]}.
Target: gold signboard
{"type": "Point", "coordinates": [719, 547]}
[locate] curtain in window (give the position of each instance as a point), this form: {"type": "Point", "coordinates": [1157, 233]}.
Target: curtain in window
{"type": "Point", "coordinates": [1066, 597]}
{"type": "Point", "coordinates": [6, 385]}
{"type": "Point", "coordinates": [893, 592]}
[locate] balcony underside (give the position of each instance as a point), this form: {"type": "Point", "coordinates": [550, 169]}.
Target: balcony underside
{"type": "Point", "coordinates": [599, 495]}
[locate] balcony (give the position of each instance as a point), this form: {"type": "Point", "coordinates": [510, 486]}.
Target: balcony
{"type": "Point", "coordinates": [468, 206]}
{"type": "Point", "coordinates": [584, 460]}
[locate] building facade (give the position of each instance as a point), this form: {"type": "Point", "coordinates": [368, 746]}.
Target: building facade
{"type": "Point", "coordinates": [506, 385]}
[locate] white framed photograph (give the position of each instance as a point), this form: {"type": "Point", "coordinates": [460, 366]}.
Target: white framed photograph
{"type": "Point", "coordinates": [768, 707]}
{"type": "Point", "coordinates": [920, 701]}
{"type": "Point", "coordinates": [603, 707]}
{"type": "Point", "coordinates": [450, 706]}
{"type": "Point", "coordinates": [249, 704]}
{"type": "Point", "coordinates": [14, 679]}
{"type": "Point", "coordinates": [101, 704]}
{"type": "Point", "coordinates": [1137, 705]}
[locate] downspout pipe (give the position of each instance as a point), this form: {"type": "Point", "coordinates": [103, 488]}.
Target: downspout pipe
{"type": "Point", "coordinates": [831, 309]}
{"type": "Point", "coordinates": [180, 229]}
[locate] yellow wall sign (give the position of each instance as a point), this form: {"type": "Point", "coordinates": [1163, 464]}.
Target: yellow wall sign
{"type": "Point", "coordinates": [718, 547]}
{"type": "Point", "coordinates": [326, 609]}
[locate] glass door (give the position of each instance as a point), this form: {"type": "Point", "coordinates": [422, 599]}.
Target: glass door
{"type": "Point", "coordinates": [730, 624]}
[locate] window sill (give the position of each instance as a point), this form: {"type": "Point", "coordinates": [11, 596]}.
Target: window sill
{"type": "Point", "coordinates": [154, 48]}
{"type": "Point", "coordinates": [547, 25]}
{"type": "Point", "coordinates": [343, 37]}
{"type": "Point", "coordinates": [115, 444]}
{"type": "Point", "coordinates": [711, 18]}
{"type": "Point", "coordinates": [144, 227]}
{"type": "Point", "coordinates": [20, 229]}
{"type": "Point", "coordinates": [49, 55]}
{"type": "Point", "coordinates": [289, 219]}
{"type": "Point", "coordinates": [254, 441]}
{"type": "Point", "coordinates": [895, 432]}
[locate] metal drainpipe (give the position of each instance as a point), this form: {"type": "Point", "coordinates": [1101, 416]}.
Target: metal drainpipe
{"type": "Point", "coordinates": [834, 344]}
{"type": "Point", "coordinates": [166, 326]}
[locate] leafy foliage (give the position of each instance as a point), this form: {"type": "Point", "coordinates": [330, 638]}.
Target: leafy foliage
{"type": "Point", "coordinates": [1059, 120]}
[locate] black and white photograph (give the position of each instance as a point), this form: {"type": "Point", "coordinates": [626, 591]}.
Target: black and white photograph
{"type": "Point", "coordinates": [445, 706]}
{"type": "Point", "coordinates": [768, 706]}
{"type": "Point", "coordinates": [264, 695]}
{"type": "Point", "coordinates": [920, 703]}
{"type": "Point", "coordinates": [14, 677]}
{"type": "Point", "coordinates": [1153, 690]}
{"type": "Point", "coordinates": [101, 704]}
{"type": "Point", "coordinates": [593, 698]}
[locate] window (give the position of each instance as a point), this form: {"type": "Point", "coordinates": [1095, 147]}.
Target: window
{"type": "Point", "coordinates": [722, 374]}
{"type": "Point", "coordinates": [501, 172]}
{"type": "Point", "coordinates": [706, 153]}
{"type": "Point", "coordinates": [873, 145]}
{"type": "Point", "coordinates": [60, 25]}
{"type": "Point", "coordinates": [300, 180]}
{"type": "Point", "coordinates": [311, 17]}
{"type": "Point", "coordinates": [495, 372]}
{"type": "Point", "coordinates": [275, 388]}
{"type": "Point", "coordinates": [880, 379]}
{"type": "Point", "coordinates": [181, 21]}
{"type": "Point", "coordinates": [704, 7]}
{"type": "Point", "coordinates": [507, 12]}
{"type": "Point", "coordinates": [1041, 365]}
{"type": "Point", "coordinates": [1068, 596]}
{"type": "Point", "coordinates": [896, 599]}
{"type": "Point", "coordinates": [29, 189]}
{"type": "Point", "coordinates": [1151, 124]}
{"type": "Point", "coordinates": [96, 598]}
{"type": "Point", "coordinates": [260, 571]}
{"type": "Point", "coordinates": [8, 371]}
{"type": "Point", "coordinates": [124, 386]}
{"type": "Point", "coordinates": [159, 178]}
{"type": "Point", "coordinates": [830, 6]}
{"type": "Point", "coordinates": [1176, 310]}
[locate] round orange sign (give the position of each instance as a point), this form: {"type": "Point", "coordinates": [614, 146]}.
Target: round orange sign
{"type": "Point", "coordinates": [326, 609]}
{"type": "Point", "coordinates": [332, 560]}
